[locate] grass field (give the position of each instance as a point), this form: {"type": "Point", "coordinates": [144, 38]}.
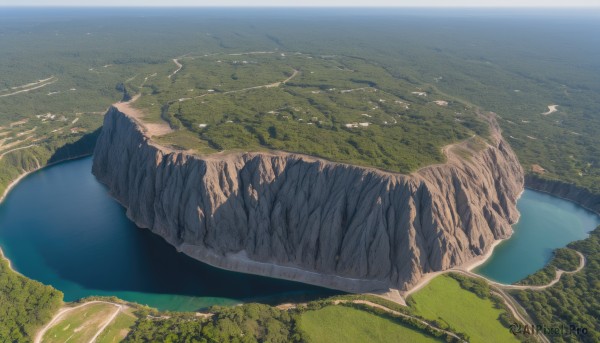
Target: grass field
{"type": "Point", "coordinates": [445, 301]}
{"type": "Point", "coordinates": [118, 329]}
{"type": "Point", "coordinates": [79, 325]}
{"type": "Point", "coordinates": [346, 325]}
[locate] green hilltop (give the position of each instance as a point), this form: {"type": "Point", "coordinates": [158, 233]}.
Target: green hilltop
{"type": "Point", "coordinates": [339, 108]}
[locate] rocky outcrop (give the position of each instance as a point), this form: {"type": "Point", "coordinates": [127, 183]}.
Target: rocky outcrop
{"type": "Point", "coordinates": [578, 195]}
{"type": "Point", "coordinates": [302, 218]}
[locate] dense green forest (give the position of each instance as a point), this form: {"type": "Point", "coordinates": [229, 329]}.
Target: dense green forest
{"type": "Point", "coordinates": [564, 259]}
{"type": "Point", "coordinates": [63, 69]}
{"type": "Point", "coordinates": [339, 108]}
{"type": "Point", "coordinates": [256, 323]}
{"type": "Point", "coordinates": [574, 300]}
{"type": "Point", "coordinates": [263, 323]}
{"type": "Point", "coordinates": [25, 305]}
{"type": "Point", "coordinates": [247, 323]}
{"type": "Point", "coordinates": [500, 63]}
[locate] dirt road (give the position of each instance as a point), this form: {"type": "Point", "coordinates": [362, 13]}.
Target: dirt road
{"type": "Point", "coordinates": [40, 335]}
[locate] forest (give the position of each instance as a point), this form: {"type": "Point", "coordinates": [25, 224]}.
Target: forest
{"type": "Point", "coordinates": [26, 305]}
{"type": "Point", "coordinates": [575, 299]}
{"type": "Point", "coordinates": [63, 70]}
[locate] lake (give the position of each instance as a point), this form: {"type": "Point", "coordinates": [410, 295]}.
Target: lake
{"type": "Point", "coordinates": [546, 223]}
{"type": "Point", "coordinates": [59, 226]}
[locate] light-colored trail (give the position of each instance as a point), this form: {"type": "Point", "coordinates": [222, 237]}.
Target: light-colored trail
{"type": "Point", "coordinates": [29, 89]}
{"type": "Point", "coordinates": [270, 85]}
{"type": "Point", "coordinates": [107, 322]}
{"type": "Point", "coordinates": [400, 314]}
{"type": "Point", "coordinates": [15, 149]}
{"type": "Point", "coordinates": [559, 273]}
{"type": "Point", "coordinates": [500, 289]}
{"type": "Point", "coordinates": [179, 66]}
{"type": "Point", "coordinates": [58, 316]}
{"type": "Point", "coordinates": [551, 109]}
{"type": "Point", "coordinates": [252, 53]}
{"type": "Point", "coordinates": [466, 270]}
{"type": "Point", "coordinates": [29, 84]}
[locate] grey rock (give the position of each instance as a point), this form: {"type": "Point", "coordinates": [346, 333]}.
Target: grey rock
{"type": "Point", "coordinates": [571, 192]}
{"type": "Point", "coordinates": [302, 218]}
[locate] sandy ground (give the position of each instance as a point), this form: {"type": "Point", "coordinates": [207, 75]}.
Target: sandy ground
{"type": "Point", "coordinates": [468, 267]}
{"type": "Point", "coordinates": [536, 168]}
{"type": "Point", "coordinates": [551, 109]}
{"type": "Point", "coordinates": [152, 129]}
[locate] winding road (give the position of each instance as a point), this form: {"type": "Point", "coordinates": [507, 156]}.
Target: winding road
{"type": "Point", "coordinates": [498, 289]}
{"type": "Point", "coordinates": [40, 335]}
{"type": "Point", "coordinates": [400, 314]}
{"type": "Point", "coordinates": [15, 149]}
{"type": "Point", "coordinates": [515, 308]}
{"type": "Point", "coordinates": [179, 66]}
{"type": "Point", "coordinates": [31, 86]}
{"type": "Point", "coordinates": [559, 273]}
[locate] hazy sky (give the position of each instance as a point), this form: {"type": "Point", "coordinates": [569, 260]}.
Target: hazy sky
{"type": "Point", "coordinates": [346, 3]}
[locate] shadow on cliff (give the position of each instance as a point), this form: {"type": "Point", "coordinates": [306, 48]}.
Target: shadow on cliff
{"type": "Point", "coordinates": [82, 147]}
{"type": "Point", "coordinates": [81, 242]}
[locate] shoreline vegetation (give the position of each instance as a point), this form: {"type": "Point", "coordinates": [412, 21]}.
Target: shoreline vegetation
{"type": "Point", "coordinates": [138, 121]}
{"type": "Point", "coordinates": [485, 72]}
{"type": "Point", "coordinates": [15, 182]}
{"type": "Point", "coordinates": [23, 175]}
{"type": "Point", "coordinates": [26, 304]}
{"type": "Point", "coordinates": [473, 264]}
{"type": "Point", "coordinates": [338, 108]}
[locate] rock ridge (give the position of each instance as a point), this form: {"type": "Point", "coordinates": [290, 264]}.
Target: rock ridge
{"type": "Point", "coordinates": [567, 191]}
{"type": "Point", "coordinates": [306, 219]}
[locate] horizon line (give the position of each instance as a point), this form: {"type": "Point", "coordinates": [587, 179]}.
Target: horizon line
{"type": "Point", "coordinates": [313, 6]}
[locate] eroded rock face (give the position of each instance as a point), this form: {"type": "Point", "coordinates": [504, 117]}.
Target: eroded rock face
{"type": "Point", "coordinates": [567, 191]}
{"type": "Point", "coordinates": [297, 217]}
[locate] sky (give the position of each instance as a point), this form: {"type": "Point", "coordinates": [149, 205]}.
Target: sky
{"type": "Point", "coordinates": [310, 3]}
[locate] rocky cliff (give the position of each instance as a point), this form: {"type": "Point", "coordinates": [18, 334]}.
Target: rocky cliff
{"type": "Point", "coordinates": [302, 218]}
{"type": "Point", "coordinates": [564, 190]}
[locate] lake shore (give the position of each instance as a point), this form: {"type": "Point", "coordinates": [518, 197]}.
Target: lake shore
{"type": "Point", "coordinates": [2, 256]}
{"type": "Point", "coordinates": [14, 182]}
{"type": "Point", "coordinates": [467, 266]}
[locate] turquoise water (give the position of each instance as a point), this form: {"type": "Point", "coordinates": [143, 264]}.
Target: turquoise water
{"type": "Point", "coordinates": [546, 223]}
{"type": "Point", "coordinates": [59, 226]}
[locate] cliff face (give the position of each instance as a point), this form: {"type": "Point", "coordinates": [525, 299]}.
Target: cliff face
{"type": "Point", "coordinates": [566, 191]}
{"type": "Point", "coordinates": [297, 217]}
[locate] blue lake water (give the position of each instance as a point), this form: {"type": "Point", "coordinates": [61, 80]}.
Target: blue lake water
{"type": "Point", "coordinates": [59, 226]}
{"type": "Point", "coordinates": [546, 223]}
